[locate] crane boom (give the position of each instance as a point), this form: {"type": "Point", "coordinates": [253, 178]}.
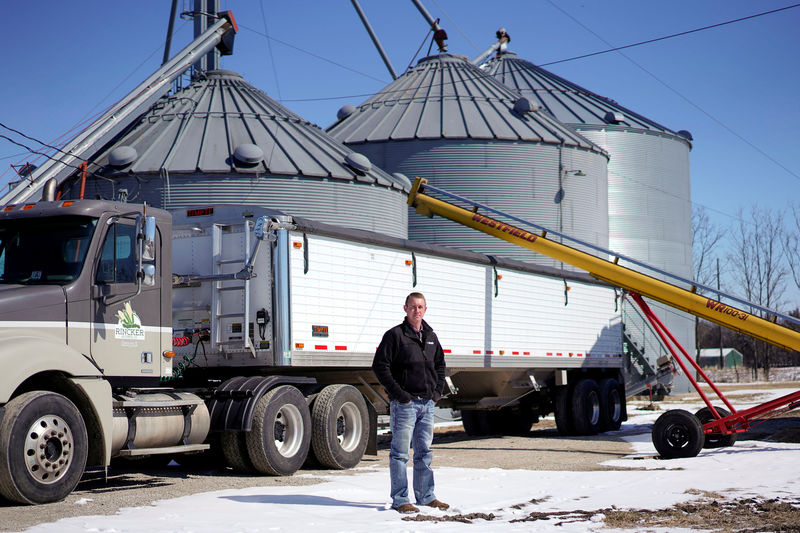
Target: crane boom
{"type": "Point", "coordinates": [609, 271]}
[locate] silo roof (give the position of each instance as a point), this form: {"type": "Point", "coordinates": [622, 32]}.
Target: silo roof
{"type": "Point", "coordinates": [568, 102]}
{"type": "Point", "coordinates": [222, 124]}
{"type": "Point", "coordinates": [446, 97]}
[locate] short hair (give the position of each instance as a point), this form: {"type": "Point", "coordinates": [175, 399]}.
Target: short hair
{"type": "Point", "coordinates": [416, 295]}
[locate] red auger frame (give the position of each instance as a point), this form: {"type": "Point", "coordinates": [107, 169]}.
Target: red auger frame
{"type": "Point", "coordinates": [676, 435]}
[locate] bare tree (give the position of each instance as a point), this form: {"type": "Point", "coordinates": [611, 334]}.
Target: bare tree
{"type": "Point", "coordinates": [759, 267]}
{"type": "Point", "coordinates": [706, 241]}
{"type": "Point", "coordinates": [792, 243]}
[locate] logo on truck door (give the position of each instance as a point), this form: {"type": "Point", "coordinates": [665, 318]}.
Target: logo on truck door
{"type": "Point", "coordinates": [129, 326]}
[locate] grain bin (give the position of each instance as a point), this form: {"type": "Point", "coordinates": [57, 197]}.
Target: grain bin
{"type": "Point", "coordinates": [447, 121]}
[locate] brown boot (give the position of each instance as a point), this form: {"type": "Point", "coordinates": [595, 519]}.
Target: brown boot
{"type": "Point", "coordinates": [406, 508]}
{"type": "Point", "coordinates": [436, 504]}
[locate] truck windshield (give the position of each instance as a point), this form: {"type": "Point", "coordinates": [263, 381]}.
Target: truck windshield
{"type": "Point", "coordinates": [44, 250]}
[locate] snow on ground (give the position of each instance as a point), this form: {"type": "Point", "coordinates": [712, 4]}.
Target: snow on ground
{"type": "Point", "coordinates": [359, 502]}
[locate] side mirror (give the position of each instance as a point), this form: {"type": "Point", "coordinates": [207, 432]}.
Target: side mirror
{"type": "Point", "coordinates": [148, 275]}
{"type": "Point", "coordinates": [149, 248]}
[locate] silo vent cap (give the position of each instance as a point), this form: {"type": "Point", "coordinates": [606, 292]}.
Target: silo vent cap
{"type": "Point", "coordinates": [402, 180]}
{"type": "Point", "coordinates": [345, 111]}
{"type": "Point", "coordinates": [122, 156]}
{"type": "Point", "coordinates": [686, 135]}
{"type": "Point", "coordinates": [358, 162]}
{"type": "Point", "coordinates": [249, 154]}
{"type": "Point", "coordinates": [524, 105]}
{"type": "Point", "coordinates": [612, 117]}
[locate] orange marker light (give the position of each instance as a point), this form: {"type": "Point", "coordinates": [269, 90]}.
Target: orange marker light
{"type": "Point", "coordinates": [299, 345]}
{"type": "Point", "coordinates": [169, 354]}
{"type": "Point", "coordinates": [297, 244]}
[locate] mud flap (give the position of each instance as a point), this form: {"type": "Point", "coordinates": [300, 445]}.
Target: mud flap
{"type": "Point", "coordinates": [372, 444]}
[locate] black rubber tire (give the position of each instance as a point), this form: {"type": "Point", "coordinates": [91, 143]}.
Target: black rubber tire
{"type": "Point", "coordinates": [511, 421]}
{"type": "Point", "coordinates": [678, 434]}
{"type": "Point", "coordinates": [234, 450]}
{"type": "Point", "coordinates": [586, 407]}
{"type": "Point", "coordinates": [715, 440]}
{"type": "Point", "coordinates": [340, 427]}
{"type": "Point", "coordinates": [562, 410]}
{"type": "Point", "coordinates": [612, 404]}
{"type": "Point", "coordinates": [475, 422]}
{"type": "Point", "coordinates": [281, 436]}
{"type": "Point", "coordinates": [27, 471]}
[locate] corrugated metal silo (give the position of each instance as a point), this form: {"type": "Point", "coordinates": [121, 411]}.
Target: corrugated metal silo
{"type": "Point", "coordinates": [649, 203]}
{"type": "Point", "coordinates": [447, 121]}
{"type": "Point", "coordinates": [222, 141]}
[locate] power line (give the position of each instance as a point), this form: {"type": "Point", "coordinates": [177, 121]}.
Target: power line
{"type": "Point", "coordinates": [665, 37]}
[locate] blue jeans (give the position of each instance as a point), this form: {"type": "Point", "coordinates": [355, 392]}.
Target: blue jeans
{"type": "Point", "coordinates": [411, 422]}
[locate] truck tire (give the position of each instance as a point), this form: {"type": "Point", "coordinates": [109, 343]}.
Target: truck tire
{"type": "Point", "coordinates": [511, 421]}
{"type": "Point", "coordinates": [340, 427]}
{"type": "Point", "coordinates": [612, 404]}
{"type": "Point", "coordinates": [562, 410]}
{"type": "Point", "coordinates": [586, 407]}
{"type": "Point", "coordinates": [475, 422]}
{"type": "Point", "coordinates": [281, 436]}
{"type": "Point", "coordinates": [43, 448]}
{"type": "Point", "coordinates": [234, 450]}
{"type": "Point", "coordinates": [715, 440]}
{"type": "Point", "coordinates": [678, 434]}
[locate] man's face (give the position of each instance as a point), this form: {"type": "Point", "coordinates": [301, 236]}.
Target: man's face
{"type": "Point", "coordinates": [415, 310]}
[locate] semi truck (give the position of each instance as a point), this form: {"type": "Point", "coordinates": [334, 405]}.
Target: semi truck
{"type": "Point", "coordinates": [132, 332]}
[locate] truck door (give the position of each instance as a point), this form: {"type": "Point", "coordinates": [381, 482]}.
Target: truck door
{"type": "Point", "coordinates": [125, 331]}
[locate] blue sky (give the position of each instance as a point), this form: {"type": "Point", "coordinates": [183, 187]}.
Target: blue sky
{"type": "Point", "coordinates": [733, 87]}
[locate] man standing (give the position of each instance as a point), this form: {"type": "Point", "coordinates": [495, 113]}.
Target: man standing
{"type": "Point", "coordinates": [409, 363]}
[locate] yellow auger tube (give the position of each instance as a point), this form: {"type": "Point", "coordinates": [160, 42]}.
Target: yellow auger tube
{"type": "Point", "coordinates": [614, 274]}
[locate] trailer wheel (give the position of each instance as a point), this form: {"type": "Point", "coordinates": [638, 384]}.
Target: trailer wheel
{"type": "Point", "coordinates": [715, 440]}
{"type": "Point", "coordinates": [43, 448]}
{"type": "Point", "coordinates": [678, 434]}
{"type": "Point", "coordinates": [562, 410]}
{"type": "Point", "coordinates": [340, 426]}
{"type": "Point", "coordinates": [475, 422]}
{"type": "Point", "coordinates": [281, 436]}
{"type": "Point", "coordinates": [586, 407]}
{"type": "Point", "coordinates": [612, 405]}
{"type": "Point", "coordinates": [234, 450]}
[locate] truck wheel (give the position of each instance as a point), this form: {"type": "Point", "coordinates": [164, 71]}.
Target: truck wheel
{"type": "Point", "coordinates": [586, 407]}
{"type": "Point", "coordinates": [715, 440]}
{"type": "Point", "coordinates": [612, 405]}
{"type": "Point", "coordinates": [43, 448]}
{"type": "Point", "coordinates": [678, 433]}
{"type": "Point", "coordinates": [340, 426]}
{"type": "Point", "coordinates": [514, 421]}
{"type": "Point", "coordinates": [281, 436]}
{"type": "Point", "coordinates": [234, 450]}
{"type": "Point", "coordinates": [475, 422]}
{"type": "Point", "coordinates": [562, 410]}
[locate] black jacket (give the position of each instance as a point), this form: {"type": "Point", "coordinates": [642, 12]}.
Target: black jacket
{"type": "Point", "coordinates": [408, 368]}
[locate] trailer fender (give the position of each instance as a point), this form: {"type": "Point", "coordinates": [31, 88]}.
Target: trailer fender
{"type": "Point", "coordinates": [232, 405]}
{"type": "Point", "coordinates": [23, 357]}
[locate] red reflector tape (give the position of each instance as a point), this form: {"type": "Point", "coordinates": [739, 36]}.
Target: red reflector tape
{"type": "Point", "coordinates": [549, 353]}
{"type": "Point", "coordinates": [320, 347]}
{"type": "Point", "coordinates": [526, 353]}
{"type": "Point", "coordinates": [447, 351]}
{"type": "Point", "coordinates": [476, 352]}
{"type": "Point", "coordinates": [514, 353]}
{"type": "Point", "coordinates": [489, 352]}
{"type": "Point", "coordinates": [340, 348]}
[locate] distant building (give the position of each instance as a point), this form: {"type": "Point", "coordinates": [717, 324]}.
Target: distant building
{"type": "Point", "coordinates": [709, 357]}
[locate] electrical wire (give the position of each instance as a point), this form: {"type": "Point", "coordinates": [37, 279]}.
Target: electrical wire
{"type": "Point", "coordinates": [663, 38]}
{"type": "Point", "coordinates": [685, 98]}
